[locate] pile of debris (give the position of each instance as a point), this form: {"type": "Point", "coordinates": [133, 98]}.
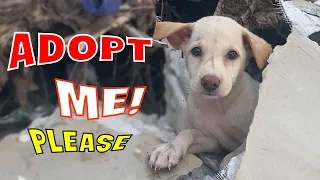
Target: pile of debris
{"type": "Point", "coordinates": [42, 15]}
{"type": "Point", "coordinates": [24, 90]}
{"type": "Point", "coordinates": [305, 17]}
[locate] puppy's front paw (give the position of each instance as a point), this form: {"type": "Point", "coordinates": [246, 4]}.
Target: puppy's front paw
{"type": "Point", "coordinates": [165, 156]}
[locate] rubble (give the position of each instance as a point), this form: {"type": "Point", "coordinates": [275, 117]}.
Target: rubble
{"type": "Point", "coordinates": [308, 7]}
{"type": "Point", "coordinates": [66, 18]}
{"type": "Point", "coordinates": [283, 138]}
{"type": "Point", "coordinates": [306, 24]}
{"type": "Point", "coordinates": [254, 15]}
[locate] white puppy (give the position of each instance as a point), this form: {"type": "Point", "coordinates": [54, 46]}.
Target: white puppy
{"type": "Point", "coordinates": [222, 97]}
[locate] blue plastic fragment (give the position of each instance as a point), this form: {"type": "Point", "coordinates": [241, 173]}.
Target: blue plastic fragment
{"type": "Point", "coordinates": [101, 7]}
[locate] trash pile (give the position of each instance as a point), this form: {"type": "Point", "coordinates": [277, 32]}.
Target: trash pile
{"type": "Point", "coordinates": [19, 106]}
{"type": "Point", "coordinates": [81, 17]}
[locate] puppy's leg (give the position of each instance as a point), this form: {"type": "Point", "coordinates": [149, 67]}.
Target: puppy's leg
{"type": "Point", "coordinates": [168, 155]}
{"type": "Point", "coordinates": [234, 153]}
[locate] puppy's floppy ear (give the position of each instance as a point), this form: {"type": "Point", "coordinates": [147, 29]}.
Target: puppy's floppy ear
{"type": "Point", "coordinates": [258, 48]}
{"type": "Point", "coordinates": [176, 33]}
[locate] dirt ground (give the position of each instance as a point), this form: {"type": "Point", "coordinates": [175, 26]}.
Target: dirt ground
{"type": "Point", "coordinates": [19, 160]}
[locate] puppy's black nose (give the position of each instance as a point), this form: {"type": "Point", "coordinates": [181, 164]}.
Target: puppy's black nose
{"type": "Point", "coordinates": [210, 82]}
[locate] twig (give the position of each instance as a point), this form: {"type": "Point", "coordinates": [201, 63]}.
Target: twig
{"type": "Point", "coordinates": [136, 33]}
{"type": "Point", "coordinates": [126, 8]}
{"type": "Point", "coordinates": [85, 72]}
{"type": "Point", "coordinates": [161, 10]}
{"type": "Point", "coordinates": [161, 43]}
{"type": "Point", "coordinates": [114, 73]}
{"type": "Point", "coordinates": [73, 71]}
{"type": "Point", "coordinates": [45, 89]}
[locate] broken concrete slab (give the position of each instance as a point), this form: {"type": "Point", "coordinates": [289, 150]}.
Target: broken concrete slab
{"type": "Point", "coordinates": [306, 24]}
{"type": "Point", "coordinates": [19, 159]}
{"type": "Point", "coordinates": [283, 142]}
{"type": "Point", "coordinates": [308, 7]}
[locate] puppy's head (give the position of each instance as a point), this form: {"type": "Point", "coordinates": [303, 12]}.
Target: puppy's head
{"type": "Point", "coordinates": [216, 50]}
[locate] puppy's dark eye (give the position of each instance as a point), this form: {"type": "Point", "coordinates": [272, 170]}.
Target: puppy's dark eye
{"type": "Point", "coordinates": [196, 51]}
{"type": "Point", "coordinates": [232, 55]}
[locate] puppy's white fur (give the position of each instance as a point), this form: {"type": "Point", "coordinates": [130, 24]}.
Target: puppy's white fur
{"type": "Point", "coordinates": [215, 119]}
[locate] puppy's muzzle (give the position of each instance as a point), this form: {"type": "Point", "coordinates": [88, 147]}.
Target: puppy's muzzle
{"type": "Point", "coordinates": [210, 82]}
